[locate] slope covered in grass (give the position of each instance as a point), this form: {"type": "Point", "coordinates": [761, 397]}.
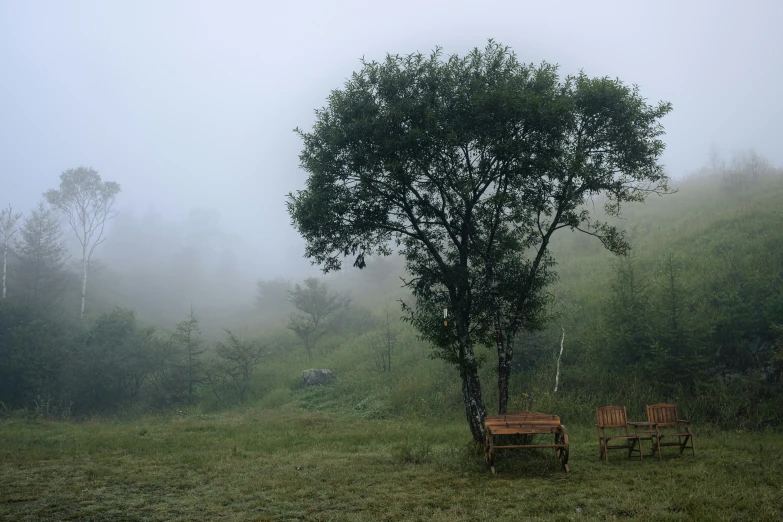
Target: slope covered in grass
{"type": "Point", "coordinates": [707, 266]}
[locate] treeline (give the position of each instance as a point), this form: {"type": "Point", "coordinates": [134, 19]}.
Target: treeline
{"type": "Point", "coordinates": [694, 315]}
{"type": "Point", "coordinates": [57, 366]}
{"type": "Point", "coordinates": [60, 368]}
{"type": "Point", "coordinates": [58, 361]}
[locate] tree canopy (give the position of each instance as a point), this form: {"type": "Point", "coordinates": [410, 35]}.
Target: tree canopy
{"type": "Point", "coordinates": [87, 203]}
{"type": "Point", "coordinates": [467, 166]}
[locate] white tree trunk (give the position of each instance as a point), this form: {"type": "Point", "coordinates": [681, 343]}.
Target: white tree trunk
{"type": "Point", "coordinates": [7, 229]}
{"type": "Point", "coordinates": [557, 374]}
{"type": "Point", "coordinates": [84, 281]}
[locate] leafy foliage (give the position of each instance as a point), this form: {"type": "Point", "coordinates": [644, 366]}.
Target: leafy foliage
{"type": "Point", "coordinates": [469, 166]}
{"type": "Point", "coordinates": [238, 360]}
{"type": "Point", "coordinates": [41, 252]}
{"type": "Point", "coordinates": [315, 306]}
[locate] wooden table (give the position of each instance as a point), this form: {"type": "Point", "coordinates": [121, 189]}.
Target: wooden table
{"type": "Point", "coordinates": [525, 423]}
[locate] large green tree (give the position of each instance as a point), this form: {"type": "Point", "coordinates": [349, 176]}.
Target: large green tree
{"type": "Point", "coordinates": [468, 166]}
{"type": "Point", "coordinates": [87, 202]}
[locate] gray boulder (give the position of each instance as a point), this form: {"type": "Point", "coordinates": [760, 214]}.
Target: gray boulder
{"type": "Point", "coordinates": [316, 377]}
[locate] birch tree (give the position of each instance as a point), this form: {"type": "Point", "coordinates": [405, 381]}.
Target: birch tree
{"type": "Point", "coordinates": [87, 202]}
{"type": "Point", "coordinates": [8, 228]}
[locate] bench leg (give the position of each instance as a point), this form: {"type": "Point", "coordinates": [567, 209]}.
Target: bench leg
{"type": "Point", "coordinates": [562, 438]}
{"type": "Point", "coordinates": [489, 452]}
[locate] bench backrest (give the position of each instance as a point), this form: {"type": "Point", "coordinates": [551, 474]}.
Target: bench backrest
{"type": "Point", "coordinates": [662, 414]}
{"type": "Point", "coordinates": [526, 417]}
{"type": "Point", "coordinates": [611, 417]}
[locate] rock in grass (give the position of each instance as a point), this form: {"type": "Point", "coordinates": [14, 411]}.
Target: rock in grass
{"type": "Point", "coordinates": [316, 377]}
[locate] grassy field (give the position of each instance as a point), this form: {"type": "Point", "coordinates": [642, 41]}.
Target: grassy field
{"type": "Point", "coordinates": [290, 465]}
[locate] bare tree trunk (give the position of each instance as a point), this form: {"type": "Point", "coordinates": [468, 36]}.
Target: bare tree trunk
{"type": "Point", "coordinates": [474, 404]}
{"type": "Point", "coordinates": [36, 292]}
{"type": "Point", "coordinates": [84, 281]}
{"type": "Point", "coordinates": [557, 373]}
{"type": "Point", "coordinates": [504, 367]}
{"type": "Point", "coordinates": [505, 354]}
{"type": "Point", "coordinates": [471, 387]}
{"type": "Point", "coordinates": [7, 229]}
{"type": "Point", "coordinates": [5, 265]}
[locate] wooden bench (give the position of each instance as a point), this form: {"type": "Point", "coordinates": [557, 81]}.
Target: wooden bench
{"type": "Point", "coordinates": [525, 423]}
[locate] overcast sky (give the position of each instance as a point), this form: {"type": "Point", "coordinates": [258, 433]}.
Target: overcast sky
{"type": "Point", "coordinates": [192, 104]}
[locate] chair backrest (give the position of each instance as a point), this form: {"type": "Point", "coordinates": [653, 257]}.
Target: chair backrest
{"type": "Point", "coordinates": [662, 414]}
{"type": "Point", "coordinates": [611, 417]}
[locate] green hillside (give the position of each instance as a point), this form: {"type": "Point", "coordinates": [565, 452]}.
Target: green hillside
{"type": "Point", "coordinates": [693, 315]}
{"type": "Point", "coordinates": [707, 272]}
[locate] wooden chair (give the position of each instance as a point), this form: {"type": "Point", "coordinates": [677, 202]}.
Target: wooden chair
{"type": "Point", "coordinates": [615, 418]}
{"type": "Point", "coordinates": [664, 419]}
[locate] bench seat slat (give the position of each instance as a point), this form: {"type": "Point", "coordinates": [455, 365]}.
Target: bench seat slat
{"type": "Point", "coordinates": [531, 430]}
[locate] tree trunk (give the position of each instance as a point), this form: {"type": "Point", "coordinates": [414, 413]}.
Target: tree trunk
{"type": "Point", "coordinates": [5, 264]}
{"type": "Point", "coordinates": [36, 285]}
{"type": "Point", "coordinates": [505, 353]}
{"type": "Point", "coordinates": [84, 281]}
{"type": "Point", "coordinates": [471, 389]}
{"type": "Point", "coordinates": [504, 376]}
{"type": "Point", "coordinates": [474, 404]}
{"type": "Point", "coordinates": [557, 373]}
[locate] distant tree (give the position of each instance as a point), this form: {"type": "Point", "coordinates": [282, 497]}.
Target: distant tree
{"type": "Point", "coordinates": [628, 316]}
{"type": "Point", "coordinates": [716, 163]}
{"type": "Point", "coordinates": [87, 202]}
{"type": "Point", "coordinates": [315, 305]}
{"type": "Point", "coordinates": [32, 355]}
{"type": "Point", "coordinates": [166, 378]}
{"type": "Point", "coordinates": [469, 166]}
{"type": "Point", "coordinates": [384, 339]}
{"type": "Point", "coordinates": [757, 165]}
{"type": "Point", "coordinates": [115, 361]}
{"type": "Point", "coordinates": [273, 294]}
{"type": "Point", "coordinates": [679, 359]}
{"type": "Point", "coordinates": [238, 359]}
{"type": "Point", "coordinates": [42, 253]}
{"type": "Point", "coordinates": [8, 228]}
{"type": "Point", "coordinates": [187, 339]}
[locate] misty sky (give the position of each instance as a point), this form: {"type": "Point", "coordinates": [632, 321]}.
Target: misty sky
{"type": "Point", "coordinates": [192, 104]}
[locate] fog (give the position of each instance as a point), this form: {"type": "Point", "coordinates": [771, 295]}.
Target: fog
{"type": "Point", "coordinates": [190, 106]}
